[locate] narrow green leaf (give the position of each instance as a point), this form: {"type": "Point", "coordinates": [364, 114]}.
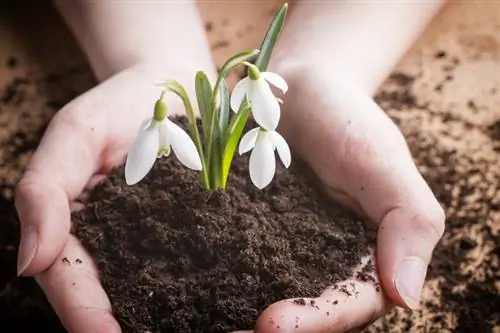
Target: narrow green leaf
{"type": "Point", "coordinates": [236, 60]}
{"type": "Point", "coordinates": [215, 165]}
{"type": "Point", "coordinates": [204, 96]}
{"type": "Point", "coordinates": [175, 87]}
{"type": "Point", "coordinates": [224, 109]}
{"type": "Point", "coordinates": [234, 131]}
{"type": "Point", "coordinates": [215, 156]}
{"type": "Point", "coordinates": [272, 35]}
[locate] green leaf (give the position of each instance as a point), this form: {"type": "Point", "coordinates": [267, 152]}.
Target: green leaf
{"type": "Point", "coordinates": [215, 165]}
{"type": "Point", "coordinates": [224, 109]}
{"type": "Point", "coordinates": [234, 131]}
{"type": "Point", "coordinates": [204, 96]}
{"type": "Point", "coordinates": [175, 87]}
{"type": "Point", "coordinates": [272, 35]}
{"type": "Point", "coordinates": [236, 60]}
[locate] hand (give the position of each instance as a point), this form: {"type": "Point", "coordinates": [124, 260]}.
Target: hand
{"type": "Point", "coordinates": [363, 161]}
{"type": "Point", "coordinates": [83, 142]}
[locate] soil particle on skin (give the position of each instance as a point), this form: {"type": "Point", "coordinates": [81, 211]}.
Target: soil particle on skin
{"type": "Point", "coordinates": [367, 274]}
{"type": "Point", "coordinates": [214, 260]}
{"type": "Point", "coordinates": [300, 301]}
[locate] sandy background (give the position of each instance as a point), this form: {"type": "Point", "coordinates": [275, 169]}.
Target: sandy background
{"type": "Point", "coordinates": [455, 95]}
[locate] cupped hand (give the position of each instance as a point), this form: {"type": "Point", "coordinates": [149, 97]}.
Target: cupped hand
{"type": "Point", "coordinates": [364, 162]}
{"type": "Point", "coordinates": [83, 142]}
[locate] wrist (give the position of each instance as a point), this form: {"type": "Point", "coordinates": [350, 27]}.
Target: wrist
{"type": "Point", "coordinates": [118, 35]}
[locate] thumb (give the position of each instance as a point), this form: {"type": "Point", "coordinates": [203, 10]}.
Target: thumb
{"type": "Point", "coordinates": [56, 175]}
{"type": "Point", "coordinates": [346, 307]}
{"type": "Point", "coordinates": [407, 237]}
{"type": "Point", "coordinates": [393, 193]}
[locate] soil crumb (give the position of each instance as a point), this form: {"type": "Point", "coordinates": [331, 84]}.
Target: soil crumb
{"type": "Point", "coordinates": [177, 258]}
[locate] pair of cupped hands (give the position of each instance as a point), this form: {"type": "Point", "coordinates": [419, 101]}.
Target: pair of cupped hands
{"type": "Point", "coordinates": [349, 142]}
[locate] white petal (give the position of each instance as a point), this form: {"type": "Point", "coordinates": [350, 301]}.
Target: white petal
{"type": "Point", "coordinates": [164, 136]}
{"type": "Point", "coordinates": [183, 146]}
{"type": "Point", "coordinates": [142, 155]}
{"type": "Point", "coordinates": [276, 81]}
{"type": "Point", "coordinates": [248, 140]}
{"type": "Point", "coordinates": [282, 148]}
{"type": "Point", "coordinates": [265, 107]}
{"type": "Point", "coordinates": [145, 123]}
{"type": "Point", "coordinates": [262, 161]}
{"type": "Point", "coordinates": [238, 94]}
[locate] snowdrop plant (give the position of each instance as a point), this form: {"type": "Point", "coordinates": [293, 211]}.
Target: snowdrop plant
{"type": "Point", "coordinates": [212, 150]}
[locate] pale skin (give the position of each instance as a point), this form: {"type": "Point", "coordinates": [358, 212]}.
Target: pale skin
{"type": "Point", "coordinates": [334, 56]}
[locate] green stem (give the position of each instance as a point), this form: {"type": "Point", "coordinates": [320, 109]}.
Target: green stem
{"type": "Point", "coordinates": [210, 137]}
{"type": "Point", "coordinates": [197, 139]}
{"type": "Point", "coordinates": [180, 91]}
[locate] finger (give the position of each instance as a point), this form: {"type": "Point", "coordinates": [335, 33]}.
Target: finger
{"type": "Point", "coordinates": [73, 289]}
{"type": "Point", "coordinates": [394, 194]}
{"type": "Point", "coordinates": [339, 309]}
{"type": "Point", "coordinates": [378, 171]}
{"type": "Point", "coordinates": [406, 239]}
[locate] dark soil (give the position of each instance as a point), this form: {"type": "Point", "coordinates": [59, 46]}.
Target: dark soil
{"type": "Point", "coordinates": [200, 261]}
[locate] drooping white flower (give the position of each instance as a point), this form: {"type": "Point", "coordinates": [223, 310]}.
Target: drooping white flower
{"type": "Point", "coordinates": [156, 138]}
{"type": "Point", "coordinates": [262, 159]}
{"type": "Point", "coordinates": [265, 106]}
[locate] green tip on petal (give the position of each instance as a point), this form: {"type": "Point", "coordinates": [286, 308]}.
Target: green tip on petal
{"type": "Point", "coordinates": [161, 109]}
{"type": "Point", "coordinates": [163, 152]}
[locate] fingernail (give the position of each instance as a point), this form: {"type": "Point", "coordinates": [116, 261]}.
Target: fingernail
{"type": "Point", "coordinates": [410, 280]}
{"type": "Point", "coordinates": [27, 248]}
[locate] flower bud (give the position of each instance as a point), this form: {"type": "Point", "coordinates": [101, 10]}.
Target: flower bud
{"type": "Point", "coordinates": [253, 71]}
{"type": "Point", "coordinates": [161, 109]}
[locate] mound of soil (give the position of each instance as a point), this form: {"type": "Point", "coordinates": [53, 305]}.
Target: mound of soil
{"type": "Point", "coordinates": [177, 258]}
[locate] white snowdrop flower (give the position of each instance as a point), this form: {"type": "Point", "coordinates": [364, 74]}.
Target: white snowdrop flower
{"type": "Point", "coordinates": [157, 136]}
{"type": "Point", "coordinates": [262, 159]}
{"type": "Point", "coordinates": [265, 106]}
